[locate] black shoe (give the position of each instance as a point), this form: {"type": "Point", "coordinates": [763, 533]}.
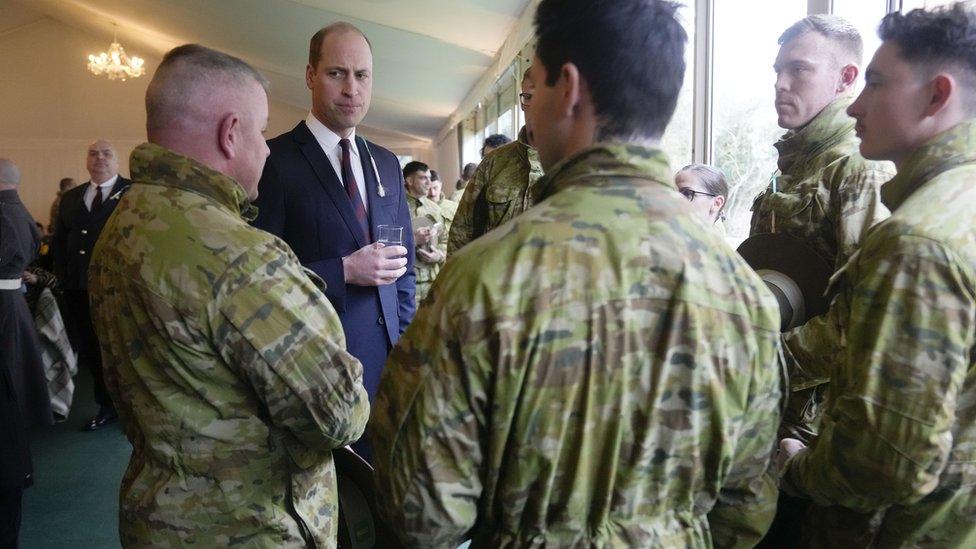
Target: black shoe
{"type": "Point", "coordinates": [104, 417]}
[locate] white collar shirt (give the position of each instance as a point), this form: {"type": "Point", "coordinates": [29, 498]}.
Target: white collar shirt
{"type": "Point", "coordinates": [104, 188]}
{"type": "Point", "coordinates": [329, 141]}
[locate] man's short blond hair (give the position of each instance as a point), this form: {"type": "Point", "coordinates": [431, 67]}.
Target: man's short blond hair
{"type": "Point", "coordinates": [836, 29]}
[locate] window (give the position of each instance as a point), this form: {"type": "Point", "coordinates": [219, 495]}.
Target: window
{"type": "Point", "coordinates": [505, 124]}
{"type": "Point", "coordinates": [744, 124]}
{"type": "Point", "coordinates": [677, 140]}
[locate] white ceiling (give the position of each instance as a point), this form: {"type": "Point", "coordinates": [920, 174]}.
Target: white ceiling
{"type": "Point", "coordinates": [427, 54]}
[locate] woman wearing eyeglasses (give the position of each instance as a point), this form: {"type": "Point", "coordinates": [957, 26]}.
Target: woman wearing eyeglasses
{"type": "Point", "coordinates": [706, 189]}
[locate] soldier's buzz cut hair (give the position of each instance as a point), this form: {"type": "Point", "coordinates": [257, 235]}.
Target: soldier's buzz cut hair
{"type": "Point", "coordinates": [186, 70]}
{"type": "Point", "coordinates": [937, 39]}
{"type": "Point", "coordinates": [836, 29]}
{"type": "Point", "coordinates": [315, 44]}
{"type": "Point", "coordinates": [414, 167]}
{"type": "Point", "coordinates": [631, 53]}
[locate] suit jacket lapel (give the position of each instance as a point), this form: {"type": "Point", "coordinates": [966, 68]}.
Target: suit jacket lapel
{"type": "Point", "coordinates": [328, 179]}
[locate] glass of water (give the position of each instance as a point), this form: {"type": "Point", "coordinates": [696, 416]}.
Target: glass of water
{"type": "Point", "coordinates": [390, 235]}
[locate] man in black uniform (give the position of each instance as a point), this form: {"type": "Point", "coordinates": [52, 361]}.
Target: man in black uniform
{"type": "Point", "coordinates": [23, 388]}
{"type": "Point", "coordinates": [81, 216]}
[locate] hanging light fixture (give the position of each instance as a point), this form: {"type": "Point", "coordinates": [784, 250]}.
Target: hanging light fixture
{"type": "Point", "coordinates": [116, 64]}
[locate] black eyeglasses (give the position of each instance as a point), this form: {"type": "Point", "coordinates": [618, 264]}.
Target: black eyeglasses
{"type": "Point", "coordinates": [691, 193]}
{"type": "Point", "coordinates": [525, 98]}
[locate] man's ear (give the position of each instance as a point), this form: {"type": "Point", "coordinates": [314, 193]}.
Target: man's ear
{"type": "Point", "coordinates": [848, 77]}
{"type": "Point", "coordinates": [942, 88]}
{"type": "Point", "coordinates": [229, 134]}
{"type": "Point", "coordinates": [309, 75]}
{"type": "Point", "coordinates": [570, 85]}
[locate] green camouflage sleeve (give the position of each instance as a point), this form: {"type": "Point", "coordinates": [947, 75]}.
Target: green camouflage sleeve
{"type": "Point", "coordinates": [285, 338]}
{"type": "Point", "coordinates": [856, 208]}
{"type": "Point", "coordinates": [746, 504]}
{"type": "Point", "coordinates": [463, 227]}
{"type": "Point", "coordinates": [812, 350]}
{"type": "Point", "coordinates": [909, 342]}
{"type": "Point", "coordinates": [431, 407]}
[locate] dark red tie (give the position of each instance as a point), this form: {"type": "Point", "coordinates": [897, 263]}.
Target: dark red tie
{"type": "Point", "coordinates": [352, 189]}
{"type": "Point", "coordinates": [97, 201]}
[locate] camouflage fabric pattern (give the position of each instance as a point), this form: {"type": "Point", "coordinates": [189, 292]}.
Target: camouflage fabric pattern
{"type": "Point", "coordinates": [226, 363]}
{"type": "Point", "coordinates": [598, 371]}
{"type": "Point", "coordinates": [449, 209]}
{"type": "Point", "coordinates": [426, 212]}
{"type": "Point", "coordinates": [505, 184]}
{"type": "Point", "coordinates": [897, 446]}
{"type": "Point", "coordinates": [828, 195]}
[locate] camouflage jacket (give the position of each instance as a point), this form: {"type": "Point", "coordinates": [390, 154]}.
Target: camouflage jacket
{"type": "Point", "coordinates": [898, 437]}
{"type": "Point", "coordinates": [426, 212]}
{"type": "Point", "coordinates": [226, 363]}
{"type": "Point", "coordinates": [505, 184]}
{"type": "Point", "coordinates": [597, 372]}
{"type": "Point", "coordinates": [826, 193]}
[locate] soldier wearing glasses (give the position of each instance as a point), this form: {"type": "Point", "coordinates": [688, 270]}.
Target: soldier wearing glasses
{"type": "Point", "coordinates": [503, 186]}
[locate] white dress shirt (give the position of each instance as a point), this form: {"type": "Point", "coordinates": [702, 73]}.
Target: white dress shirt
{"type": "Point", "coordinates": [329, 142]}
{"type": "Point", "coordinates": [105, 188]}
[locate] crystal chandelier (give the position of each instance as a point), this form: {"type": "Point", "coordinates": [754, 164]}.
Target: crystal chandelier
{"type": "Point", "coordinates": [116, 64]}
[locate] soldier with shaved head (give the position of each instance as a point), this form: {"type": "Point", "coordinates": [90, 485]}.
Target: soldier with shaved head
{"type": "Point", "coordinates": [228, 364]}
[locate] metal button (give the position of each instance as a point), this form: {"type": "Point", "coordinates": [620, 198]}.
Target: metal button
{"type": "Point", "coordinates": [82, 252]}
{"type": "Point", "coordinates": [381, 321]}
{"type": "Point", "coordinates": [84, 231]}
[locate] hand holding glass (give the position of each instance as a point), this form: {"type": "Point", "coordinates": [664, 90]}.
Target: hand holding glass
{"type": "Point", "coordinates": [390, 235]}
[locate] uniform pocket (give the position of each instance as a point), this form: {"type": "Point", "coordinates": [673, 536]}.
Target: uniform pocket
{"type": "Point", "coordinates": [501, 202]}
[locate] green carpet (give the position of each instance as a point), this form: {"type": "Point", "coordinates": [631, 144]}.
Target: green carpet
{"type": "Point", "coordinates": [74, 500]}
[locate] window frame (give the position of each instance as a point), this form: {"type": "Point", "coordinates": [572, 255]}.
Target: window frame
{"type": "Point", "coordinates": [704, 81]}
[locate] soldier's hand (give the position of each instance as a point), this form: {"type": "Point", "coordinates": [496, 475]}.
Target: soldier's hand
{"type": "Point", "coordinates": [422, 236]}
{"type": "Point", "coordinates": [788, 447]}
{"type": "Point", "coordinates": [375, 265]}
{"type": "Point", "coordinates": [427, 256]}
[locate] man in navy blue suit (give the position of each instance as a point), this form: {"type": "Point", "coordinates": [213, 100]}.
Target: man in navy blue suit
{"type": "Point", "coordinates": [325, 191]}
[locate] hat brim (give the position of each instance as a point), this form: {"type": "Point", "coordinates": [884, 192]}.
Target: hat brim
{"type": "Point", "coordinates": [795, 259]}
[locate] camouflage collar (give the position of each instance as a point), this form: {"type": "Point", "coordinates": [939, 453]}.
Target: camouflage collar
{"type": "Point", "coordinates": [155, 165]}
{"type": "Point", "coordinates": [829, 128]}
{"type": "Point", "coordinates": [608, 160]}
{"type": "Point", "coordinates": [941, 153]}
{"type": "Point", "coordinates": [417, 200]}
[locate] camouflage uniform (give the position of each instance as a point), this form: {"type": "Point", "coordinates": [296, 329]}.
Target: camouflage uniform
{"type": "Point", "coordinates": [449, 209]}
{"type": "Point", "coordinates": [898, 437]}
{"type": "Point", "coordinates": [505, 184]}
{"type": "Point", "coordinates": [226, 363]}
{"type": "Point", "coordinates": [827, 195]}
{"type": "Point", "coordinates": [427, 209]}
{"type": "Point", "coordinates": [596, 372]}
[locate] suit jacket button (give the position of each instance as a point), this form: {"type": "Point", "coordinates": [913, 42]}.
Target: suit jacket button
{"type": "Point", "coordinates": [381, 321]}
{"type": "Point", "coordinates": [84, 231]}
{"type": "Point", "coordinates": [82, 252]}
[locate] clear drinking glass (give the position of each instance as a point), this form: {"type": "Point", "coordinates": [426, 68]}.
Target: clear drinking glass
{"type": "Point", "coordinates": [390, 235]}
